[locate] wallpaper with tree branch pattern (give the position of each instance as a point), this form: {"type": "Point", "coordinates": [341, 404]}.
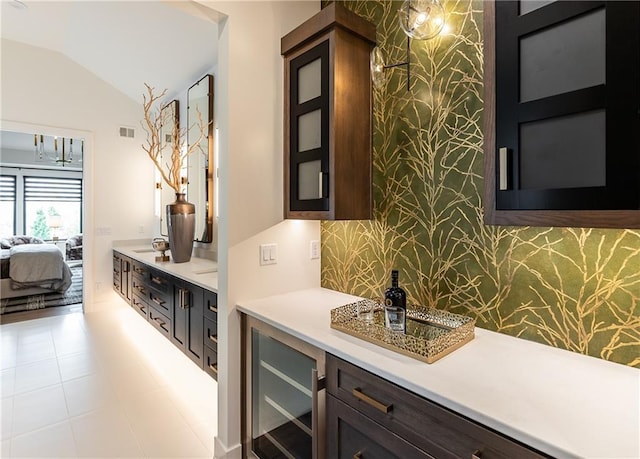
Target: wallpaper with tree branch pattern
{"type": "Point", "coordinates": [576, 289]}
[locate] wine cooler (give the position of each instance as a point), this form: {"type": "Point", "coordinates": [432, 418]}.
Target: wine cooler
{"type": "Point", "coordinates": [283, 395]}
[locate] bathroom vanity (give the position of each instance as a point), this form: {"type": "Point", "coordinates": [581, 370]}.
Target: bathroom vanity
{"type": "Point", "coordinates": [177, 299]}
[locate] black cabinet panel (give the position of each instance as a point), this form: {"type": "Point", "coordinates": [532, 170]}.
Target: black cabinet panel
{"type": "Point", "coordinates": [161, 322]}
{"type": "Point", "coordinates": [565, 133]}
{"type": "Point", "coordinates": [210, 364]}
{"type": "Point", "coordinates": [187, 325]}
{"type": "Point", "coordinates": [211, 305]}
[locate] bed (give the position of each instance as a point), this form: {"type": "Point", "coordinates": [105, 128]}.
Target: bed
{"type": "Point", "coordinates": [32, 268]}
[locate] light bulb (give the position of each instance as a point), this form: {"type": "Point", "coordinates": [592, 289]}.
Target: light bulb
{"type": "Point", "coordinates": [421, 19]}
{"type": "Point", "coordinates": [378, 76]}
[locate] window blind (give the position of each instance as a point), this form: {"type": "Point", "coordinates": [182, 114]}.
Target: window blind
{"type": "Point", "coordinates": [52, 189]}
{"type": "Point", "coordinates": [7, 188]}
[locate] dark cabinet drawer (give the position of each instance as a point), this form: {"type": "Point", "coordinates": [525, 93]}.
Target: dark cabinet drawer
{"type": "Point", "coordinates": [160, 281]}
{"type": "Point", "coordinates": [211, 334]}
{"type": "Point", "coordinates": [211, 362]}
{"type": "Point", "coordinates": [211, 305]}
{"type": "Point", "coordinates": [139, 287]}
{"type": "Point", "coordinates": [160, 300]}
{"type": "Point", "coordinates": [431, 427]}
{"type": "Point", "coordinates": [160, 322]}
{"type": "Point", "coordinates": [139, 270]}
{"type": "Point", "coordinates": [140, 305]}
{"type": "Point", "coordinates": [354, 435]}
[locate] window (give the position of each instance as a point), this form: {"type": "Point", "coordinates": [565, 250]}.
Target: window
{"type": "Point", "coordinates": [52, 207]}
{"type": "Point", "coordinates": [8, 205]}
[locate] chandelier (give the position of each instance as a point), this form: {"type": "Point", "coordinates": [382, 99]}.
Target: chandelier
{"type": "Point", "coordinates": [61, 156]}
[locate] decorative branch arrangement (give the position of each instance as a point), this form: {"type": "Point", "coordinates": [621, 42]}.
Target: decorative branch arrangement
{"type": "Point", "coordinates": [154, 121]}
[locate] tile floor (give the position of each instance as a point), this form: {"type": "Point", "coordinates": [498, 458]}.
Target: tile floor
{"type": "Point", "coordinates": [104, 384]}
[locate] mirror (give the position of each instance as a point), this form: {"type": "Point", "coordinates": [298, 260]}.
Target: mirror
{"type": "Point", "coordinates": [200, 162]}
{"type": "Point", "coordinates": [170, 122]}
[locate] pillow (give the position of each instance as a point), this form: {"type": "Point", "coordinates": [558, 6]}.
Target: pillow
{"type": "Point", "coordinates": [9, 242]}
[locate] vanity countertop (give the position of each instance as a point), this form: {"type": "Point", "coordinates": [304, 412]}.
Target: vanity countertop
{"type": "Point", "coordinates": [199, 271]}
{"type": "Point", "coordinates": [562, 403]}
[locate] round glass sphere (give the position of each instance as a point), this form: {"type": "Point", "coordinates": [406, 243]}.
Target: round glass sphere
{"type": "Point", "coordinates": [421, 19]}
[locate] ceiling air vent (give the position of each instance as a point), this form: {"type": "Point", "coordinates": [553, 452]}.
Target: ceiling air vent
{"type": "Point", "coordinates": [127, 132]}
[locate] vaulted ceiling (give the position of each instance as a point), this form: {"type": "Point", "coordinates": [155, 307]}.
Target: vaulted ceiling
{"type": "Point", "coordinates": [125, 43]}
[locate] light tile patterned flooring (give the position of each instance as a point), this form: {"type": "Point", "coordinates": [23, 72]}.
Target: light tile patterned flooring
{"type": "Point", "coordinates": [104, 384]}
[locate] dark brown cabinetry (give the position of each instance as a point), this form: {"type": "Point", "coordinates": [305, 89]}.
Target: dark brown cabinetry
{"type": "Point", "coordinates": [188, 324]}
{"type": "Point", "coordinates": [181, 311]}
{"type": "Point", "coordinates": [562, 113]}
{"type": "Point", "coordinates": [328, 117]}
{"type": "Point", "coordinates": [210, 334]}
{"type": "Point", "coordinates": [368, 416]}
{"type": "Point", "coordinates": [122, 275]}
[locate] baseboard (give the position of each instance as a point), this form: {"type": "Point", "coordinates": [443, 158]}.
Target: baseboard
{"type": "Point", "coordinates": [220, 451]}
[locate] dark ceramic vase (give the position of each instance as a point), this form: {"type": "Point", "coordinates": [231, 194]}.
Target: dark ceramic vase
{"type": "Point", "coordinates": [181, 224]}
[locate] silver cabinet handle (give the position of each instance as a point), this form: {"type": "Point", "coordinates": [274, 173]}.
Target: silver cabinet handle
{"type": "Point", "coordinates": [477, 454]}
{"type": "Point", "coordinates": [317, 437]}
{"type": "Point", "coordinates": [320, 184]}
{"type": "Point", "coordinates": [184, 293]}
{"type": "Point", "coordinates": [503, 154]}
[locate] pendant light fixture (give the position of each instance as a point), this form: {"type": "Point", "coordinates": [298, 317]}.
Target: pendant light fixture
{"type": "Point", "coordinates": [420, 20]}
{"type": "Point", "coordinates": [59, 156]}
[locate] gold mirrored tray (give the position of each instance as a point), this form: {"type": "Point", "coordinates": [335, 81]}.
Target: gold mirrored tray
{"type": "Point", "coordinates": [431, 333]}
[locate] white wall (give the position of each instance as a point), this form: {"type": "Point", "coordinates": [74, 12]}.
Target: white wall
{"type": "Point", "coordinates": [250, 117]}
{"type": "Point", "coordinates": [44, 90]}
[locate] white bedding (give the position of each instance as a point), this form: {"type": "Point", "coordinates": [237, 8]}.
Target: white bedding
{"type": "Point", "coordinates": [38, 265]}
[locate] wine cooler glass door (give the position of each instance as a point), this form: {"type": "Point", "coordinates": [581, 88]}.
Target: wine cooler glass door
{"type": "Point", "coordinates": [283, 399]}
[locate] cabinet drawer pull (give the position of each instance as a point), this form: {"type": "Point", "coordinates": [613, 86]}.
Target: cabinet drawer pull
{"type": "Point", "coordinates": [157, 301]}
{"type": "Point", "coordinates": [213, 338]}
{"type": "Point", "coordinates": [213, 309]}
{"type": "Point", "coordinates": [161, 322]}
{"type": "Point", "coordinates": [357, 392]}
{"type": "Point", "coordinates": [477, 454]}
{"type": "Point", "coordinates": [213, 367]}
{"type": "Point", "coordinates": [358, 455]}
{"type": "Point", "coordinates": [157, 280]}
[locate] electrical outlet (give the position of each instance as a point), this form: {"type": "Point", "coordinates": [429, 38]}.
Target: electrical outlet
{"type": "Point", "coordinates": [268, 254]}
{"type": "Point", "coordinates": [314, 250]}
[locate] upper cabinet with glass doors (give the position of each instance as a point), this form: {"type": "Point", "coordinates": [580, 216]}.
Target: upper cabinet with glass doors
{"type": "Point", "coordinates": [328, 117]}
{"type": "Point", "coordinates": [562, 119]}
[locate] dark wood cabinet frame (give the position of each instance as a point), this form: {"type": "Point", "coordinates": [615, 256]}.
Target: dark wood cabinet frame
{"type": "Point", "coordinates": [492, 215]}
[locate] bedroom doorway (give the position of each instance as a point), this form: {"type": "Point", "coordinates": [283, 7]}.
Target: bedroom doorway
{"type": "Point", "coordinates": [42, 202]}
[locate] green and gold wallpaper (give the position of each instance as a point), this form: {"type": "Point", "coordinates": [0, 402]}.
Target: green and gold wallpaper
{"type": "Point", "coordinates": [576, 289]}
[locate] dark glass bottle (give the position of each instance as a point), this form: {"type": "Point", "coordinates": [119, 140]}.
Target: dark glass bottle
{"type": "Point", "coordinates": [395, 302]}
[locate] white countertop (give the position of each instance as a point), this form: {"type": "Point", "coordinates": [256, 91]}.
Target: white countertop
{"type": "Point", "coordinates": [559, 402]}
{"type": "Point", "coordinates": [198, 271]}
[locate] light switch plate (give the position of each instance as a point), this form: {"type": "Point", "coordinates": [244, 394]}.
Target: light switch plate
{"type": "Point", "coordinates": [268, 254]}
{"type": "Point", "coordinates": [314, 250]}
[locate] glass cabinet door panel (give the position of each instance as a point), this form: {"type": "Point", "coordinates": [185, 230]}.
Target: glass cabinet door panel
{"type": "Point", "coordinates": [309, 131]}
{"type": "Point", "coordinates": [281, 399]}
{"type": "Point", "coordinates": [527, 6]}
{"type": "Point", "coordinates": [564, 152]}
{"type": "Point", "coordinates": [548, 58]}
{"type": "Point", "coordinates": [310, 81]}
{"type": "Point", "coordinates": [310, 180]}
